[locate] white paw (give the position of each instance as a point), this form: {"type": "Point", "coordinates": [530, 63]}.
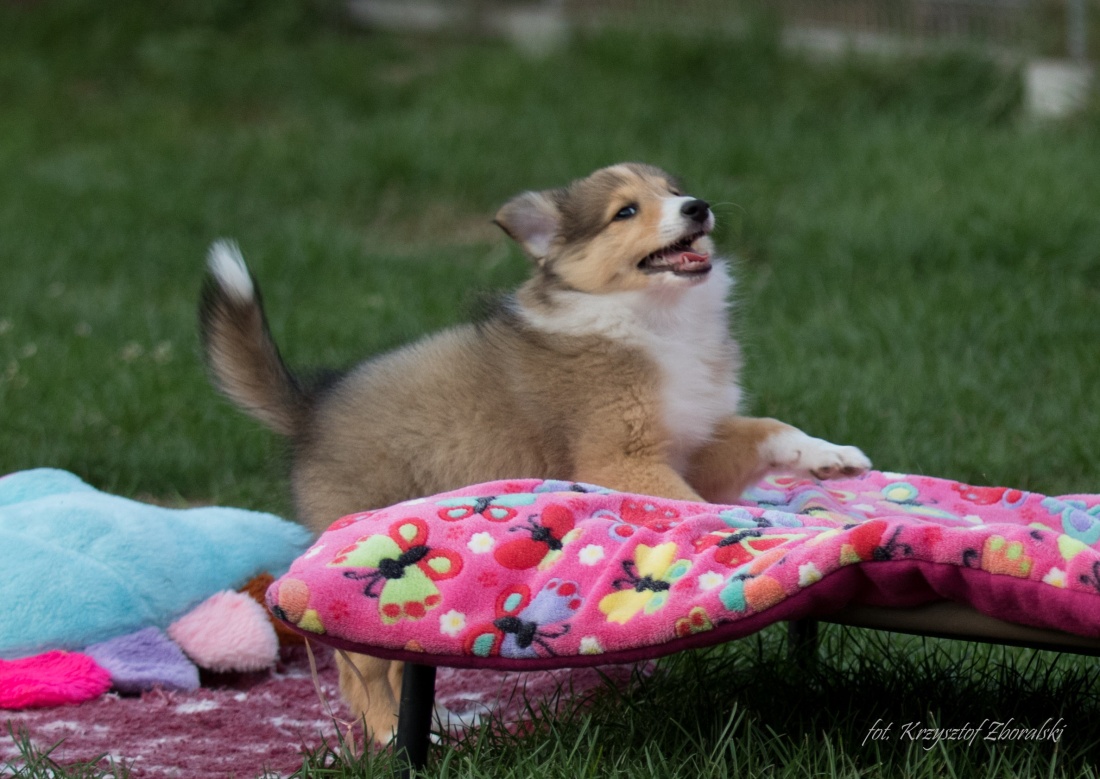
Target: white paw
{"type": "Point", "coordinates": [795, 451]}
{"type": "Point", "coordinates": [835, 462]}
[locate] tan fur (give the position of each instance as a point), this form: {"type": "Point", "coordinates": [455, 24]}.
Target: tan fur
{"type": "Point", "coordinates": [253, 377]}
{"type": "Point", "coordinates": [372, 688]}
{"type": "Point", "coordinates": [732, 461]}
{"type": "Point", "coordinates": [509, 397]}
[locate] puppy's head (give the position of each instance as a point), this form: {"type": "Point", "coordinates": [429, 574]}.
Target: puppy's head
{"type": "Point", "coordinates": [626, 227]}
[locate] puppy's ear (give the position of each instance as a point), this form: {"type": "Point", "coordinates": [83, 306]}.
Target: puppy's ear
{"type": "Point", "coordinates": [532, 219]}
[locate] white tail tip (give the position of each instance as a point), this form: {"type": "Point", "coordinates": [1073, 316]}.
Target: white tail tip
{"type": "Point", "coordinates": [225, 261]}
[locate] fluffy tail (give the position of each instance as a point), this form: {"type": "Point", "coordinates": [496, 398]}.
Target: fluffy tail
{"type": "Point", "coordinates": [243, 358]}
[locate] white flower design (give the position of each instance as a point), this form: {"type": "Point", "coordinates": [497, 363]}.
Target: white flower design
{"type": "Point", "coordinates": [590, 645]}
{"type": "Point", "coordinates": [1055, 577]}
{"type": "Point", "coordinates": [452, 623]}
{"type": "Point", "coordinates": [710, 580]}
{"type": "Point", "coordinates": [480, 543]}
{"type": "Point", "coordinates": [808, 574]}
{"type": "Point", "coordinates": [591, 554]}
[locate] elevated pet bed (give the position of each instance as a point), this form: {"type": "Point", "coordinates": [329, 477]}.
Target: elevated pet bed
{"type": "Point", "coordinates": [529, 574]}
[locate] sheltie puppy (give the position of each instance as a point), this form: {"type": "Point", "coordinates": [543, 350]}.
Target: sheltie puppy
{"type": "Point", "coordinates": [612, 365]}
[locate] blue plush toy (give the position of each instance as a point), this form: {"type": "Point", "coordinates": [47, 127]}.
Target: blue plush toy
{"type": "Point", "coordinates": [79, 566]}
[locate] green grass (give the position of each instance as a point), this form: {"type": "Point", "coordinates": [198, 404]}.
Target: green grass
{"type": "Point", "coordinates": [919, 275]}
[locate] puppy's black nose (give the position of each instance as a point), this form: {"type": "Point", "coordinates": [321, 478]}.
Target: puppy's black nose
{"type": "Point", "coordinates": [696, 210]}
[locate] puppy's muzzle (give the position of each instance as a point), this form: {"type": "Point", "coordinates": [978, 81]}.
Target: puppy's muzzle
{"type": "Point", "coordinates": [696, 210]}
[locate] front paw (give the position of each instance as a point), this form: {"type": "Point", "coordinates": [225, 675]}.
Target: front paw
{"type": "Point", "coordinates": [834, 462]}
{"type": "Point", "coordinates": [795, 451]}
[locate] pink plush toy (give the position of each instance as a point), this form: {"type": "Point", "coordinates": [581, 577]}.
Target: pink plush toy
{"type": "Point", "coordinates": [229, 631]}
{"type": "Point", "coordinates": [51, 679]}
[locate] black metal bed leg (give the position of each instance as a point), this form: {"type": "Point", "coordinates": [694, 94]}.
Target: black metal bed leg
{"type": "Point", "coordinates": [414, 721]}
{"type": "Point", "coordinates": [802, 641]}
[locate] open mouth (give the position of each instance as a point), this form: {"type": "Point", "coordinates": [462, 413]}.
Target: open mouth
{"type": "Point", "coordinates": [677, 258]}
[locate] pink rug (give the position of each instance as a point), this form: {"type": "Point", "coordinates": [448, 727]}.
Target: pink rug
{"type": "Point", "coordinates": [247, 724]}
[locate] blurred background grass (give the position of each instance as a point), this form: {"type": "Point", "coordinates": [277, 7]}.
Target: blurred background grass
{"type": "Point", "coordinates": [918, 262]}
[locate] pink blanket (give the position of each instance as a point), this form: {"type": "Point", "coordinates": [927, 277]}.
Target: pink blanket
{"type": "Point", "coordinates": [530, 574]}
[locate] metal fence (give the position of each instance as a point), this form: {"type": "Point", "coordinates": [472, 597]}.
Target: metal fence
{"type": "Point", "coordinates": [1056, 28]}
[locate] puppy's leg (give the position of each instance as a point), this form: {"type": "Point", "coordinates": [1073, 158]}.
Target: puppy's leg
{"type": "Point", "coordinates": [372, 698]}
{"type": "Point", "coordinates": [396, 675]}
{"type": "Point", "coordinates": [645, 475]}
{"type": "Point", "coordinates": [745, 449]}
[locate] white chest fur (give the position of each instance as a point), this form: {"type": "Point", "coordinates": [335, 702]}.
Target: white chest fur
{"type": "Point", "coordinates": [689, 340]}
{"type": "Point", "coordinates": [685, 332]}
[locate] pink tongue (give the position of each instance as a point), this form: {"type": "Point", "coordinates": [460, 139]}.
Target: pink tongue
{"type": "Point", "coordinates": [691, 257]}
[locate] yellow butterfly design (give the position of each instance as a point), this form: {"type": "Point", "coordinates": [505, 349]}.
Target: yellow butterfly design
{"type": "Point", "coordinates": [645, 587]}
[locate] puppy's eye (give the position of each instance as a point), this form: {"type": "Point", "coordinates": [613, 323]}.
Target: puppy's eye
{"type": "Point", "coordinates": [626, 212]}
